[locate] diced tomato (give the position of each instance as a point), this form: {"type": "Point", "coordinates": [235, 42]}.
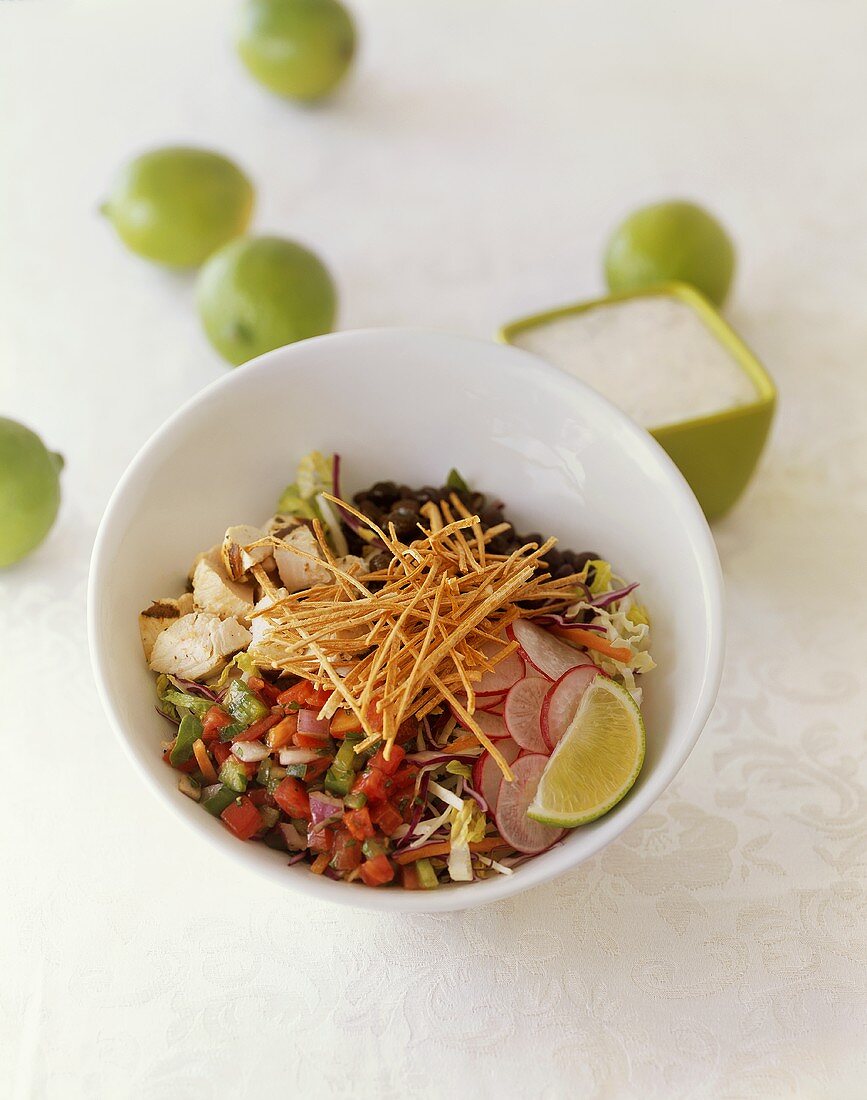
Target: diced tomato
{"type": "Point", "coordinates": [359, 824]}
{"type": "Point", "coordinates": [250, 767]}
{"type": "Point", "coordinates": [292, 797]}
{"type": "Point", "coordinates": [306, 694]}
{"type": "Point", "coordinates": [377, 871]}
{"type": "Point", "coordinates": [320, 841]}
{"type": "Point", "coordinates": [269, 692]}
{"type": "Point", "coordinates": [242, 818]}
{"type": "Point", "coordinates": [317, 768]}
{"type": "Point", "coordinates": [259, 796]}
{"type": "Point", "coordinates": [374, 784]}
{"type": "Point", "coordinates": [408, 730]}
{"type": "Point", "coordinates": [409, 877]}
{"type": "Point", "coordinates": [347, 852]}
{"type": "Point", "coordinates": [258, 729]}
{"type": "Point", "coordinates": [221, 751]}
{"type": "Point", "coordinates": [215, 720]}
{"type": "Point", "coordinates": [390, 766]}
{"type": "Point", "coordinates": [343, 722]}
{"type": "Point", "coordinates": [386, 817]}
{"type": "Point", "coordinates": [187, 767]}
{"type": "Point", "coordinates": [405, 778]}
{"type": "Point", "coordinates": [282, 734]}
{"type": "Point", "coordinates": [403, 805]}
{"type": "Point", "coordinates": [310, 741]}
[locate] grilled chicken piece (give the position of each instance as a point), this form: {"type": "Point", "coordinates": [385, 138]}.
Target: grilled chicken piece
{"type": "Point", "coordinates": [260, 631]}
{"type": "Point", "coordinates": [236, 558]}
{"type": "Point", "coordinates": [297, 572]}
{"type": "Point", "coordinates": [214, 592]}
{"type": "Point", "coordinates": [197, 645]}
{"type": "Point", "coordinates": [160, 615]}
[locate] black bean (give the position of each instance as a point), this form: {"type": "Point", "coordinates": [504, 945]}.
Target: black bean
{"type": "Point", "coordinates": [369, 509]}
{"type": "Point", "coordinates": [383, 493]}
{"type": "Point", "coordinates": [380, 560]}
{"type": "Point", "coordinates": [406, 505]}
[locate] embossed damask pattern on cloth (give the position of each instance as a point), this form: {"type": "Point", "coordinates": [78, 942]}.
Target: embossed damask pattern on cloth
{"type": "Point", "coordinates": [718, 950]}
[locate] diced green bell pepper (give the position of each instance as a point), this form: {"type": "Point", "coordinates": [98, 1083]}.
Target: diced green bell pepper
{"type": "Point", "coordinates": [184, 701]}
{"type": "Point", "coordinates": [427, 877]}
{"type": "Point", "coordinates": [270, 816]}
{"type": "Point", "coordinates": [341, 775]}
{"type": "Point", "coordinates": [270, 775]}
{"type": "Point", "coordinates": [355, 800]}
{"type": "Point", "coordinates": [234, 775]}
{"type": "Point", "coordinates": [243, 705]}
{"type": "Point", "coordinates": [373, 848]}
{"type": "Point", "coordinates": [219, 800]}
{"type": "Point", "coordinates": [189, 731]}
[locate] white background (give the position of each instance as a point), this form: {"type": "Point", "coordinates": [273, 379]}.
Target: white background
{"type": "Point", "coordinates": [467, 173]}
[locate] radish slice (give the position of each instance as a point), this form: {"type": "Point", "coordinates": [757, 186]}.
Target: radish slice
{"type": "Point", "coordinates": [510, 810]}
{"type": "Point", "coordinates": [547, 654]}
{"type": "Point", "coordinates": [494, 725]}
{"type": "Point", "coordinates": [504, 673]}
{"type": "Point", "coordinates": [493, 704]}
{"type": "Point", "coordinates": [562, 701]}
{"type": "Point", "coordinates": [486, 771]}
{"type": "Point", "coordinates": [524, 711]}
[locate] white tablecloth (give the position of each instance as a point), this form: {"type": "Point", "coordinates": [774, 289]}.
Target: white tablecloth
{"type": "Point", "coordinates": [469, 172]}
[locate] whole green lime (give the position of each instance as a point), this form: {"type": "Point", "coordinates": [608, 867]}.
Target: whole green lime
{"type": "Point", "coordinates": [178, 205]}
{"type": "Point", "coordinates": [671, 240]}
{"type": "Point", "coordinates": [260, 293]}
{"type": "Point", "coordinates": [29, 491]}
{"type": "Point", "coordinates": [297, 48]}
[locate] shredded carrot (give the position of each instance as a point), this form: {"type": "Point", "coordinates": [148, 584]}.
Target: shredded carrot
{"type": "Point", "coordinates": [592, 641]}
{"type": "Point", "coordinates": [320, 863]}
{"type": "Point", "coordinates": [204, 761]}
{"type": "Point", "coordinates": [468, 741]}
{"type": "Point", "coordinates": [443, 847]}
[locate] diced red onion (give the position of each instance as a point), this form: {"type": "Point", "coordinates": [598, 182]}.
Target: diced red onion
{"type": "Point", "coordinates": [297, 756]}
{"type": "Point", "coordinates": [310, 723]}
{"type": "Point", "coordinates": [295, 841]}
{"type": "Point", "coordinates": [250, 752]}
{"type": "Point", "coordinates": [324, 805]}
{"type": "Point", "coordinates": [296, 858]}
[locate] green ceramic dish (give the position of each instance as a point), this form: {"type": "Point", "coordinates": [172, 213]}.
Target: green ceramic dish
{"type": "Point", "coordinates": [717, 453]}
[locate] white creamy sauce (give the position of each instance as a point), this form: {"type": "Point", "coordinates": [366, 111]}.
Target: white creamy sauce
{"type": "Point", "coordinates": [653, 357]}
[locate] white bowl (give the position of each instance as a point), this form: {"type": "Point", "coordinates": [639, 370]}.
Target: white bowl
{"type": "Point", "coordinates": [408, 405]}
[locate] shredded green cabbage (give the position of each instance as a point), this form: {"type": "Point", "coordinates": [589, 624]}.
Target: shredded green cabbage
{"type": "Point", "coordinates": [626, 625]}
{"type": "Point", "coordinates": [303, 498]}
{"type": "Point", "coordinates": [602, 576]}
{"type": "Point", "coordinates": [468, 825]}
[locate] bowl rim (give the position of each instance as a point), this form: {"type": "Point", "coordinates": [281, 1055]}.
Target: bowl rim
{"type": "Point", "coordinates": [745, 358]}
{"type": "Point", "coordinates": [532, 873]}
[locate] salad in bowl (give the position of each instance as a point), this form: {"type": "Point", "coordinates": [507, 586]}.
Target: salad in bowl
{"type": "Point", "coordinates": [399, 689]}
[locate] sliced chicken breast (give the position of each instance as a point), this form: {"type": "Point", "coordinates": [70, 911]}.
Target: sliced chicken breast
{"type": "Point", "coordinates": [216, 593]}
{"type": "Point", "coordinates": [198, 645]}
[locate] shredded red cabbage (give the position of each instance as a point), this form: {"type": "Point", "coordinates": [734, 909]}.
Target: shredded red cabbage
{"type": "Point", "coordinates": [612, 597]}
{"type": "Point", "coordinates": [190, 687]}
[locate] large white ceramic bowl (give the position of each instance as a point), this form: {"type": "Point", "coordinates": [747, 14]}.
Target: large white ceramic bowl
{"type": "Point", "coordinates": [408, 405]}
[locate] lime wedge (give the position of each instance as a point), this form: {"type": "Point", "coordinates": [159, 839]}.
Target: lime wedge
{"type": "Point", "coordinates": [596, 762]}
